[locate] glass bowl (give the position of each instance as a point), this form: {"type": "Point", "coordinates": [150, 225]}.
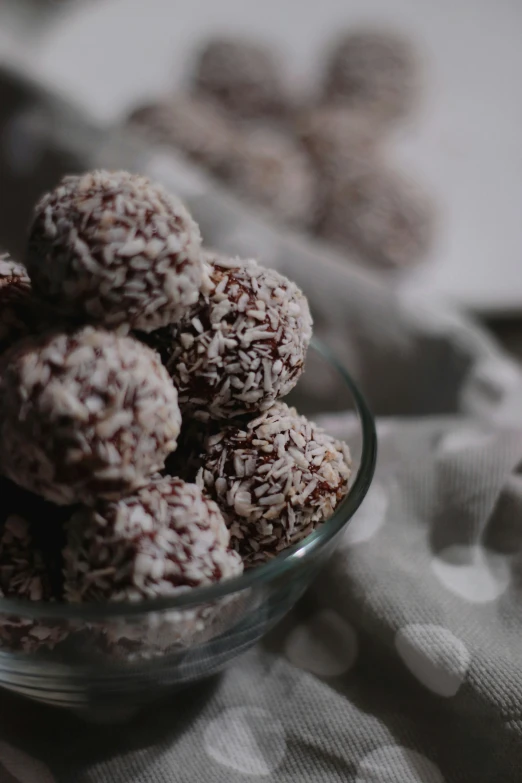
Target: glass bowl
{"type": "Point", "coordinates": [120, 656]}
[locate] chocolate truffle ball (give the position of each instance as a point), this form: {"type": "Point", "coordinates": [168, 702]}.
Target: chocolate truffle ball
{"type": "Point", "coordinates": [20, 313]}
{"type": "Point", "coordinates": [116, 249]}
{"type": "Point", "coordinates": [158, 542]}
{"type": "Point", "coordinates": [381, 215]}
{"type": "Point", "coordinates": [243, 347]}
{"type": "Point", "coordinates": [85, 414]}
{"type": "Point", "coordinates": [190, 124]}
{"type": "Point", "coordinates": [29, 567]}
{"type": "Point", "coordinates": [269, 169]}
{"type": "Point", "coordinates": [185, 462]}
{"type": "Point", "coordinates": [15, 291]}
{"type": "Point", "coordinates": [275, 478]}
{"type": "Point", "coordinates": [162, 541]}
{"type": "Point", "coordinates": [23, 571]}
{"type": "Point", "coordinates": [374, 71]}
{"type": "Point", "coordinates": [241, 76]}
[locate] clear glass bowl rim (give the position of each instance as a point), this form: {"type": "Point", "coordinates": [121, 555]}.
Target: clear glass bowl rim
{"type": "Point", "coordinates": [283, 564]}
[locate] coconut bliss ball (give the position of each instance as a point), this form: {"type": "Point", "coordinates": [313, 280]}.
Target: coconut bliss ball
{"type": "Point", "coordinates": [335, 135]}
{"type": "Point", "coordinates": [373, 71]}
{"type": "Point", "coordinates": [243, 346]}
{"type": "Point", "coordinates": [24, 574]}
{"type": "Point", "coordinates": [115, 249]}
{"type": "Point", "coordinates": [158, 542]}
{"type": "Point", "coordinates": [241, 76]}
{"type": "Point", "coordinates": [190, 124]}
{"type": "Point", "coordinates": [30, 566]}
{"type": "Point", "coordinates": [85, 415]}
{"type": "Point", "coordinates": [377, 212]}
{"type": "Point", "coordinates": [20, 313]}
{"type": "Point", "coordinates": [269, 168]}
{"type": "Point", "coordinates": [275, 478]}
{"type": "Point", "coordinates": [15, 293]}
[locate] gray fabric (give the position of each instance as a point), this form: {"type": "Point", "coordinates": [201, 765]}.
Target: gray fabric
{"type": "Point", "coordinates": [404, 661]}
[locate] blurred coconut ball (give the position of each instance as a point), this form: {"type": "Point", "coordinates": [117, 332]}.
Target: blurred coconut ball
{"type": "Point", "coordinates": [335, 138]}
{"type": "Point", "coordinates": [332, 133]}
{"type": "Point", "coordinates": [270, 169]}
{"type": "Point", "coordinates": [383, 216]}
{"type": "Point", "coordinates": [242, 76]}
{"type": "Point", "coordinates": [191, 124]}
{"type": "Point", "coordinates": [375, 71]}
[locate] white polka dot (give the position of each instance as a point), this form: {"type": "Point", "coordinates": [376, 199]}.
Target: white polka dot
{"type": "Point", "coordinates": [472, 573]}
{"type": "Point", "coordinates": [434, 656]}
{"type": "Point", "coordinates": [247, 739]}
{"type": "Point", "coordinates": [325, 646]}
{"type": "Point", "coordinates": [369, 518]}
{"type": "Point", "coordinates": [395, 764]}
{"type": "Point", "coordinates": [462, 440]}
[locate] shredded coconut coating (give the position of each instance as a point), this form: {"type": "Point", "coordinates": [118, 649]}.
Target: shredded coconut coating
{"type": "Point", "coordinates": [275, 479]}
{"type": "Point", "coordinates": [190, 124]}
{"type": "Point", "coordinates": [374, 71]}
{"type": "Point", "coordinates": [20, 314]}
{"type": "Point", "coordinates": [270, 169]}
{"type": "Point", "coordinates": [23, 572]}
{"type": "Point", "coordinates": [26, 572]}
{"type": "Point", "coordinates": [166, 538]}
{"type": "Point", "coordinates": [381, 215]}
{"type": "Point", "coordinates": [243, 347]}
{"type": "Point", "coordinates": [85, 414]}
{"type": "Point", "coordinates": [13, 274]}
{"type": "Point", "coordinates": [241, 76]}
{"type": "Point", "coordinates": [117, 249]}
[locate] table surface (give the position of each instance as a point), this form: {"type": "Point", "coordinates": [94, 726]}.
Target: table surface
{"type": "Point", "coordinates": [464, 143]}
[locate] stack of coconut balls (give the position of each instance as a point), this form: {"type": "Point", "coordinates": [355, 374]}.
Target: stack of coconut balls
{"type": "Point", "coordinates": [144, 445]}
{"type": "Point", "coordinates": [320, 159]}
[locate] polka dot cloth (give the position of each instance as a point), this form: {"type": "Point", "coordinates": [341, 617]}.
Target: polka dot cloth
{"type": "Point", "coordinates": [434, 656]}
{"type": "Point", "coordinates": [395, 764]}
{"type": "Point", "coordinates": [326, 645]}
{"type": "Point", "coordinates": [18, 767]}
{"type": "Point", "coordinates": [369, 518]}
{"type": "Point", "coordinates": [471, 573]}
{"type": "Point", "coordinates": [246, 739]}
{"type": "Point", "coordinates": [462, 439]}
